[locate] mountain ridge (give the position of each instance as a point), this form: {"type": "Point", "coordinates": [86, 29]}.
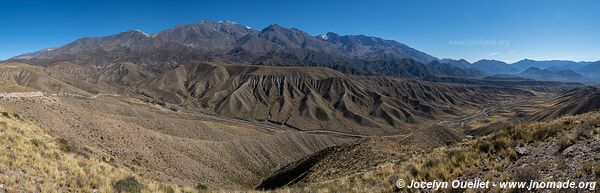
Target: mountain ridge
{"type": "Point", "coordinates": [274, 45]}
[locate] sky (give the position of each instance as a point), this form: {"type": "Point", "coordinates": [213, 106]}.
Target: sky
{"type": "Point", "coordinates": [507, 30]}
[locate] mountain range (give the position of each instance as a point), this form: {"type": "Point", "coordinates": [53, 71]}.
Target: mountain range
{"type": "Point", "coordinates": [581, 71]}
{"type": "Point", "coordinates": [229, 41]}
{"type": "Point", "coordinates": [279, 46]}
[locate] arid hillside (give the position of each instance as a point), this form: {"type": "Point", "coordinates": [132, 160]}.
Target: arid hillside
{"type": "Point", "coordinates": [34, 161]}
{"type": "Point", "coordinates": [572, 102]}
{"type": "Point", "coordinates": [310, 98]}
{"type": "Point", "coordinates": [561, 149]}
{"type": "Point", "coordinates": [304, 98]}
{"type": "Point", "coordinates": [175, 147]}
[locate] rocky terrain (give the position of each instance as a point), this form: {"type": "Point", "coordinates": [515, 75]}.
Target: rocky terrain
{"type": "Point", "coordinates": [228, 41]}
{"type": "Point", "coordinates": [572, 102]}
{"type": "Point", "coordinates": [557, 150]}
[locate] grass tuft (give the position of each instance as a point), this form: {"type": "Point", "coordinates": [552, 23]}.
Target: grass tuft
{"type": "Point", "coordinates": [129, 185]}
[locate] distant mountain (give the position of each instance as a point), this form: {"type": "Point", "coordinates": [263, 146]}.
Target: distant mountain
{"type": "Point", "coordinates": [541, 74]}
{"type": "Point", "coordinates": [570, 69]}
{"type": "Point", "coordinates": [462, 63]}
{"type": "Point", "coordinates": [549, 64]}
{"type": "Point", "coordinates": [591, 70]}
{"type": "Point", "coordinates": [235, 43]}
{"type": "Point", "coordinates": [495, 67]}
{"type": "Point", "coordinates": [455, 71]}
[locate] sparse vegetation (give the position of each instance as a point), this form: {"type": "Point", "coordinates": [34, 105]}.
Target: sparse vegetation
{"type": "Point", "coordinates": [36, 142]}
{"type": "Point", "coordinates": [128, 184]}
{"type": "Point", "coordinates": [201, 187]}
{"type": "Point", "coordinates": [66, 146]}
{"type": "Point", "coordinates": [485, 158]}
{"type": "Point", "coordinates": [526, 174]}
{"type": "Point", "coordinates": [33, 161]}
{"type": "Point", "coordinates": [564, 143]}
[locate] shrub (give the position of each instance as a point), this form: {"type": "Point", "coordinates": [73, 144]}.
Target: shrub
{"type": "Point", "coordinates": [201, 187]}
{"type": "Point", "coordinates": [36, 142]}
{"type": "Point", "coordinates": [583, 133]}
{"type": "Point", "coordinates": [526, 174]}
{"type": "Point", "coordinates": [484, 147]}
{"type": "Point", "coordinates": [128, 184]}
{"type": "Point", "coordinates": [512, 154]}
{"type": "Point", "coordinates": [597, 171]}
{"type": "Point", "coordinates": [430, 163]}
{"type": "Point", "coordinates": [521, 135]}
{"type": "Point", "coordinates": [545, 132]}
{"type": "Point", "coordinates": [564, 143]}
{"type": "Point", "coordinates": [66, 146]}
{"type": "Point", "coordinates": [500, 144]}
{"type": "Point", "coordinates": [169, 189]}
{"type": "Point", "coordinates": [414, 170]}
{"type": "Point", "coordinates": [560, 162]}
{"type": "Point", "coordinates": [457, 157]}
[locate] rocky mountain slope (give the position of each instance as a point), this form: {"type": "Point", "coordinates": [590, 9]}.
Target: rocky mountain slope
{"type": "Point", "coordinates": [229, 41]}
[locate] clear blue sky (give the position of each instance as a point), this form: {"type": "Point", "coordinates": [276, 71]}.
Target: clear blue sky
{"type": "Point", "coordinates": [506, 30]}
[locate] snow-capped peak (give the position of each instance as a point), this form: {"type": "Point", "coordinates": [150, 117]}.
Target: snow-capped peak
{"type": "Point", "coordinates": [229, 21]}
{"type": "Point", "coordinates": [323, 36]}
{"type": "Point", "coordinates": [144, 33]}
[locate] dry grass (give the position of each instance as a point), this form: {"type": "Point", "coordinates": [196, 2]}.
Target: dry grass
{"type": "Point", "coordinates": [490, 154]}
{"type": "Point", "coordinates": [33, 161]}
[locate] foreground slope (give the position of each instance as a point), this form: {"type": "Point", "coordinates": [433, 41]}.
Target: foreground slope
{"type": "Point", "coordinates": [168, 146]}
{"type": "Point", "coordinates": [34, 161]}
{"type": "Point", "coordinates": [561, 149]}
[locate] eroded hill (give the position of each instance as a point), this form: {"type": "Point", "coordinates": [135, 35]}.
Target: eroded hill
{"type": "Point", "coordinates": [315, 98]}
